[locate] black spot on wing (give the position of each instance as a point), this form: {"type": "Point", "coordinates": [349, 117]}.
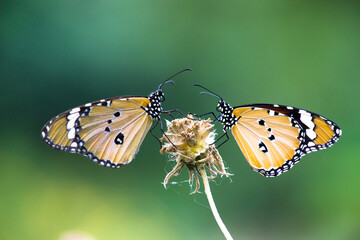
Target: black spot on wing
{"type": "Point", "coordinates": [119, 139]}
{"type": "Point", "coordinates": [263, 147]}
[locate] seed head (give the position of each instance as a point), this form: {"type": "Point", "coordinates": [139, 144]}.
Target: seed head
{"type": "Point", "coordinates": [190, 143]}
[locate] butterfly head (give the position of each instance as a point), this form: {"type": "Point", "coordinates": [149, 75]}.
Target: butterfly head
{"type": "Point", "coordinates": [226, 117]}
{"type": "Point", "coordinates": [158, 95]}
{"type": "Point", "coordinates": [156, 98]}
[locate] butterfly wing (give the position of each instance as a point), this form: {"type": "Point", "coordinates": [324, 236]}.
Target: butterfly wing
{"type": "Point", "coordinates": [108, 131]}
{"type": "Point", "coordinates": [274, 137]}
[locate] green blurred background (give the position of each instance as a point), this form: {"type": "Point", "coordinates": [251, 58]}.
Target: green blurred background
{"type": "Point", "coordinates": [55, 55]}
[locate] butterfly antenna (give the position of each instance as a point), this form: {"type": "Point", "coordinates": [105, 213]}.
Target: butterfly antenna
{"type": "Point", "coordinates": [171, 81]}
{"type": "Point", "coordinates": [210, 92]}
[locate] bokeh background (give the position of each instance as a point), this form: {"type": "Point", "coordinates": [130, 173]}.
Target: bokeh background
{"type": "Point", "coordinates": [55, 55]}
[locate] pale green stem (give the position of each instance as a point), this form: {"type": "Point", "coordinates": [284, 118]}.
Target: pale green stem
{"type": "Point", "coordinates": [212, 204]}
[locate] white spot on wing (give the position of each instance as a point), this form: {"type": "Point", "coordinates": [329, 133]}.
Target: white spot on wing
{"type": "Point", "coordinates": [311, 144]}
{"type": "Point", "coordinates": [74, 115]}
{"type": "Point", "coordinates": [306, 118]}
{"type": "Point", "coordinates": [71, 123]}
{"type": "Point", "coordinates": [71, 134]}
{"type": "Point", "coordinates": [43, 134]}
{"type": "Point", "coordinates": [74, 110]}
{"type": "Point", "coordinates": [338, 131]}
{"type": "Point", "coordinates": [311, 134]}
{"type": "Point", "coordinates": [303, 112]}
{"type": "Point", "coordinates": [73, 144]}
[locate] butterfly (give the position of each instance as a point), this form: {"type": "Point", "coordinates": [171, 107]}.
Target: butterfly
{"type": "Point", "coordinates": [274, 137]}
{"type": "Point", "coordinates": [109, 131]}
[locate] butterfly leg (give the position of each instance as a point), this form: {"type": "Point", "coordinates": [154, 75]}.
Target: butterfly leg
{"type": "Point", "coordinates": [212, 113]}
{"type": "Point", "coordinates": [183, 114]}
{"type": "Point", "coordinates": [162, 130]}
{"type": "Point", "coordinates": [151, 131]}
{"type": "Point", "coordinates": [227, 139]}
{"type": "Point", "coordinates": [174, 110]}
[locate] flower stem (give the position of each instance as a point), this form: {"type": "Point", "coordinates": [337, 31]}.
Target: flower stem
{"type": "Point", "coordinates": [212, 204]}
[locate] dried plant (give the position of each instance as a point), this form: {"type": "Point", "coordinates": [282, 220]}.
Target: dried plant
{"type": "Point", "coordinates": [190, 143]}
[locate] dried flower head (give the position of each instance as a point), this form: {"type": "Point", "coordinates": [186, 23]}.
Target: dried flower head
{"type": "Point", "coordinates": [190, 143]}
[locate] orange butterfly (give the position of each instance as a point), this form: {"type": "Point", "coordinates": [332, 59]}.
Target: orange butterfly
{"type": "Point", "coordinates": [109, 131]}
{"type": "Point", "coordinates": [274, 137]}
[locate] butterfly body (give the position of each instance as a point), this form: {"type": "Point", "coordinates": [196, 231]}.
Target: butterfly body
{"type": "Point", "coordinates": [154, 109]}
{"type": "Point", "coordinates": [274, 137]}
{"type": "Point", "coordinates": [227, 118]}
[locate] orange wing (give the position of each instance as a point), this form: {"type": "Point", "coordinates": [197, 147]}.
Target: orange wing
{"type": "Point", "coordinates": [273, 138]}
{"type": "Point", "coordinates": [109, 131]}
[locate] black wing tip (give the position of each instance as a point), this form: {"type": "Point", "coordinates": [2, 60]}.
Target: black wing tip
{"type": "Point", "coordinates": [45, 132]}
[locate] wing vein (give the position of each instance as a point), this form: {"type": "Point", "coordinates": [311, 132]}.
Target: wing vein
{"type": "Point", "coordinates": [132, 137]}
{"type": "Point", "coordinates": [117, 109]}
{"type": "Point", "coordinates": [246, 153]}
{"type": "Point", "coordinates": [267, 120]}
{"type": "Point", "coordinates": [248, 141]}
{"type": "Point", "coordinates": [142, 134]}
{"type": "Point", "coordinates": [99, 145]}
{"type": "Point", "coordinates": [130, 122]}
{"type": "Point", "coordinates": [259, 137]}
